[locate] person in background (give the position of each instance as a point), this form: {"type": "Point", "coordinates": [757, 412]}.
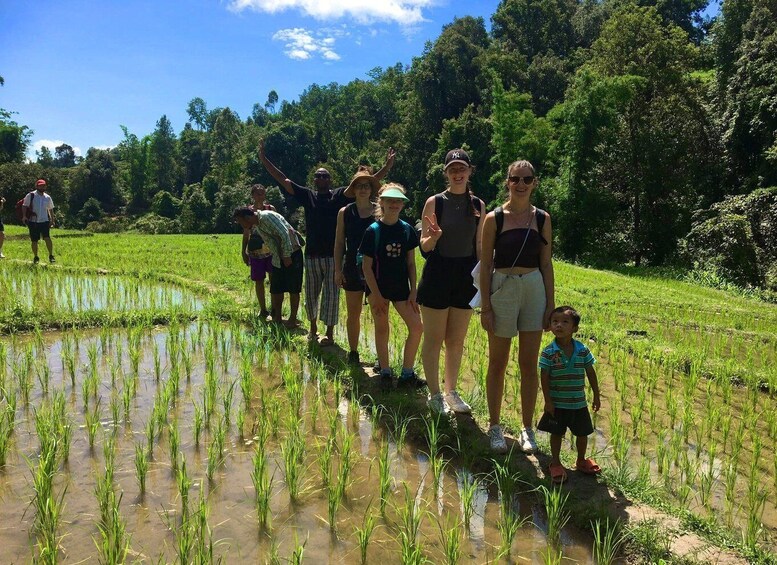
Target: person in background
{"type": "Point", "coordinates": [286, 249]}
{"type": "Point", "coordinates": [517, 288]}
{"type": "Point", "coordinates": [564, 366]}
{"type": "Point", "coordinates": [451, 230]}
{"type": "Point", "coordinates": [321, 204]}
{"type": "Point", "coordinates": [38, 214]}
{"type": "Point", "coordinates": [388, 264]}
{"type": "Point", "coordinates": [256, 254]}
{"type": "Point", "coordinates": [352, 221]}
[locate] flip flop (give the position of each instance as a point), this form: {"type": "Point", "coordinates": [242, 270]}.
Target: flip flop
{"type": "Point", "coordinates": [589, 467]}
{"type": "Point", "coordinates": [326, 341]}
{"type": "Point", "coordinates": [558, 474]}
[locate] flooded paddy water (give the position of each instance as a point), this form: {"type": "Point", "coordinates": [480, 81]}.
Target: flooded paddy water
{"type": "Point", "coordinates": [246, 452]}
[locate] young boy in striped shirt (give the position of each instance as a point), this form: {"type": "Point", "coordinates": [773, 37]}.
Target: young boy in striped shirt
{"type": "Point", "coordinates": [564, 365]}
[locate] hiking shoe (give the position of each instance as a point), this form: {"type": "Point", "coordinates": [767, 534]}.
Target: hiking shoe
{"type": "Point", "coordinates": [436, 404]}
{"type": "Point", "coordinates": [386, 380]}
{"type": "Point", "coordinates": [35, 260]}
{"type": "Point", "coordinates": [527, 441]}
{"type": "Point", "coordinates": [453, 400]}
{"type": "Point", "coordinates": [413, 381]}
{"type": "Point", "coordinates": [498, 443]}
{"type": "Point", "coordinates": [353, 358]}
{"type": "Point", "coordinates": [51, 259]}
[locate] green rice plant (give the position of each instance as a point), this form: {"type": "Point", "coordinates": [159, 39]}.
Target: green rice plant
{"type": "Point", "coordinates": [325, 451]}
{"type": "Point", "coordinates": [47, 505]}
{"type": "Point", "coordinates": [115, 408]}
{"type": "Point", "coordinates": [43, 372]}
{"type": "Point", "coordinates": [174, 441]}
{"type": "Point", "coordinates": [509, 522]}
{"type": "Point", "coordinates": [92, 423]}
{"type": "Point", "coordinates": [436, 462]}
{"type": "Point", "coordinates": [6, 430]}
{"type": "Point", "coordinates": [23, 380]}
{"type": "Point", "coordinates": [227, 402]}
{"type": "Point", "coordinates": [141, 466]}
{"type": "Point", "coordinates": [551, 555]}
{"type": "Point", "coordinates": [186, 359]}
{"type": "Point", "coordinates": [334, 493]}
{"type": "Point", "coordinates": [347, 462]}
{"type": "Point", "coordinates": [384, 476]}
{"type": "Point", "coordinates": [293, 453]}
{"type": "Point", "coordinates": [240, 421]}
{"type": "Point", "coordinates": [150, 435]}
{"type": "Point", "coordinates": [469, 485]}
{"type": "Point", "coordinates": [608, 539]}
{"type": "Point", "coordinates": [216, 451]}
{"type": "Point", "coordinates": [273, 409]}
{"type": "Point", "coordinates": [197, 423]}
{"type": "Point", "coordinates": [450, 539]}
{"type": "Point", "coordinates": [298, 551]}
{"type": "Point", "coordinates": [262, 485]}
{"type": "Point", "coordinates": [246, 380]}
{"type": "Point", "coordinates": [184, 483]}
{"type": "Point", "coordinates": [558, 516]}
{"type": "Point", "coordinates": [157, 359]}
{"type": "Point", "coordinates": [364, 534]}
{"type": "Point", "coordinates": [127, 394]}
{"type": "Point", "coordinates": [114, 543]}
{"type": "Point", "coordinates": [409, 516]}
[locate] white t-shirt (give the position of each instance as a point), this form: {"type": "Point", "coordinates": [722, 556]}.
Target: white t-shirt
{"type": "Point", "coordinates": [41, 204]}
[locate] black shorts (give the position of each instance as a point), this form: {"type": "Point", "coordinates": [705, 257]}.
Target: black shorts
{"type": "Point", "coordinates": [446, 282]}
{"type": "Point", "coordinates": [392, 292]}
{"type": "Point", "coordinates": [352, 278]}
{"type": "Point", "coordinates": [38, 230]}
{"type": "Point", "coordinates": [578, 421]}
{"type": "Point", "coordinates": [288, 279]}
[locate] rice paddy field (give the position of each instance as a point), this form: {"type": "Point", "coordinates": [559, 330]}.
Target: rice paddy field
{"type": "Point", "coordinates": [147, 415]}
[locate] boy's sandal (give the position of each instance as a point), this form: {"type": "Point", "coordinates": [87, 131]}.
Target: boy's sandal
{"type": "Point", "coordinates": [589, 467]}
{"type": "Point", "coordinates": [557, 473]}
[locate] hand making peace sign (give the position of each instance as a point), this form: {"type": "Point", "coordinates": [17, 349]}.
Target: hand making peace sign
{"type": "Point", "coordinates": [432, 229]}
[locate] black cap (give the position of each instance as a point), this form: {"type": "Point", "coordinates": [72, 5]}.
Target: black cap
{"type": "Point", "coordinates": [457, 156]}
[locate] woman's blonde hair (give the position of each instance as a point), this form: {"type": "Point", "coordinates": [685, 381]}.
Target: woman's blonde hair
{"type": "Point", "coordinates": [378, 208]}
{"type": "Point", "coordinates": [519, 164]}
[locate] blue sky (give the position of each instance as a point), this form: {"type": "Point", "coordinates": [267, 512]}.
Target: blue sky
{"type": "Point", "coordinates": [75, 70]}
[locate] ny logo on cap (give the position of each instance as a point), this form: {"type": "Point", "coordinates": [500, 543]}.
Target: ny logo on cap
{"type": "Point", "coordinates": [456, 155]}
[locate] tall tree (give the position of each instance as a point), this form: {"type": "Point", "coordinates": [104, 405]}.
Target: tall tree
{"type": "Point", "coordinates": [164, 158]}
{"type": "Point", "coordinates": [133, 169]}
{"type": "Point", "coordinates": [64, 156]}
{"type": "Point", "coordinates": [14, 139]}
{"type": "Point", "coordinates": [198, 112]}
{"type": "Point", "coordinates": [45, 159]}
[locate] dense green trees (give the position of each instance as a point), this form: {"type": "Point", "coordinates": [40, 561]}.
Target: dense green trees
{"type": "Point", "coordinates": [640, 123]}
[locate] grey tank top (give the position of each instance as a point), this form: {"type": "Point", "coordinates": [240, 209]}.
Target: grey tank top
{"type": "Point", "coordinates": [458, 224]}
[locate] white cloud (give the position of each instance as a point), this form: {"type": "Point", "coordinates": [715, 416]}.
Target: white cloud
{"type": "Point", "coordinates": [302, 45]}
{"type": "Point", "coordinates": [364, 12]}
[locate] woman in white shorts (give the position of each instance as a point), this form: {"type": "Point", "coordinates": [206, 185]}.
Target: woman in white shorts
{"type": "Point", "coordinates": [517, 287]}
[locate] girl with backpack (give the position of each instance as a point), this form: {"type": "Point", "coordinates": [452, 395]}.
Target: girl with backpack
{"type": "Point", "coordinates": [352, 221]}
{"type": "Point", "coordinates": [517, 287]}
{"type": "Point", "coordinates": [388, 264]}
{"type": "Point", "coordinates": [450, 240]}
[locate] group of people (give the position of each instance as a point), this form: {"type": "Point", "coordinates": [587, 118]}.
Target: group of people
{"type": "Point", "coordinates": [38, 215]}
{"type": "Point", "coordinates": [356, 241]}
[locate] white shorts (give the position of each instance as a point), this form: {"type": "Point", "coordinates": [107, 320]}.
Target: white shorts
{"type": "Point", "coordinates": [518, 302]}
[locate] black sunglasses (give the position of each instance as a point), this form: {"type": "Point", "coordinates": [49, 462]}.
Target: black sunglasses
{"type": "Point", "coordinates": [526, 180]}
{"type": "Point", "coordinates": [321, 175]}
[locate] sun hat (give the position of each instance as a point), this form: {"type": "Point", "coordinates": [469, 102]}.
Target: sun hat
{"type": "Point", "coordinates": [359, 177]}
{"type": "Point", "coordinates": [393, 193]}
{"type": "Point", "coordinates": [456, 156]}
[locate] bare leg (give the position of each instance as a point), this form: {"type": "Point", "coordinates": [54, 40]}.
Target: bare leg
{"type": "Point", "coordinates": [415, 328]}
{"type": "Point", "coordinates": [582, 447]}
{"type": "Point", "coordinates": [293, 307]}
{"type": "Point", "coordinates": [353, 304]}
{"type": "Point", "coordinates": [455, 333]}
{"type": "Point", "coordinates": [381, 323]}
{"type": "Point", "coordinates": [435, 323]}
{"type": "Point", "coordinates": [330, 333]}
{"type": "Point", "coordinates": [259, 285]}
{"type": "Point", "coordinates": [498, 354]}
{"type": "Point", "coordinates": [276, 300]}
{"type": "Point", "coordinates": [313, 333]}
{"type": "Point", "coordinates": [555, 448]}
{"type": "Point", "coordinates": [528, 356]}
{"type": "Point", "coordinates": [35, 248]}
{"type": "Point", "coordinates": [49, 246]}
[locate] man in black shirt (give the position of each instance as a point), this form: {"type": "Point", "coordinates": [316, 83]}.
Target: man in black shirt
{"type": "Point", "coordinates": [321, 206]}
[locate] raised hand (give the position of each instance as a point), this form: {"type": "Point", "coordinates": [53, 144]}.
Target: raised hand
{"type": "Point", "coordinates": [432, 229]}
{"type": "Point", "coordinates": [390, 156]}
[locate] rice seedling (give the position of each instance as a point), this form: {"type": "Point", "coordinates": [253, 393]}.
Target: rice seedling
{"type": "Point", "coordinates": [558, 516]}
{"type": "Point", "coordinates": [114, 543]}
{"type": "Point", "coordinates": [240, 421]}
{"type": "Point", "coordinates": [197, 423]}
{"type": "Point", "coordinates": [347, 462]}
{"type": "Point", "coordinates": [334, 493]}
{"type": "Point", "coordinates": [184, 483]}
{"type": "Point", "coordinates": [150, 435]}
{"type": "Point", "coordinates": [450, 539]}
{"type": "Point", "coordinates": [468, 487]}
{"type": "Point", "coordinates": [409, 516]}
{"type": "Point", "coordinates": [227, 402]}
{"type": "Point", "coordinates": [43, 373]}
{"type": "Point", "coordinates": [262, 485]}
{"type": "Point", "coordinates": [364, 534]}
{"type": "Point", "coordinates": [174, 442]}
{"type": "Point", "coordinates": [608, 539]}
{"type": "Point", "coordinates": [325, 452]}
{"type": "Point", "coordinates": [298, 552]}
{"type": "Point", "coordinates": [141, 466]}
{"type": "Point", "coordinates": [509, 522]}
{"type": "Point", "coordinates": [6, 429]}
{"type": "Point", "coordinates": [47, 505]}
{"type": "Point", "coordinates": [551, 555]}
{"type": "Point", "coordinates": [92, 423]}
{"type": "Point", "coordinates": [293, 453]}
{"type": "Point", "coordinates": [384, 474]}
{"type": "Point", "coordinates": [216, 451]}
